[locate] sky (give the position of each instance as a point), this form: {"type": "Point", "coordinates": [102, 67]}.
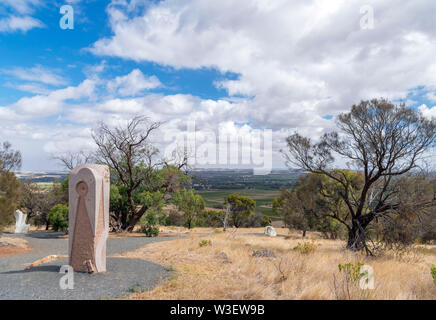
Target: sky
{"type": "Point", "coordinates": [230, 67]}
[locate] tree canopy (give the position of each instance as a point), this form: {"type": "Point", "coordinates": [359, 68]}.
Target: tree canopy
{"type": "Point", "coordinates": [377, 138]}
{"type": "Point", "coordinates": [9, 186]}
{"type": "Point", "coordinates": [240, 207]}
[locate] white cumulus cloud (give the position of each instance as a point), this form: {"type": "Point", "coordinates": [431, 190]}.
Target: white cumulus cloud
{"type": "Point", "coordinates": [17, 23]}
{"type": "Point", "coordinates": [133, 83]}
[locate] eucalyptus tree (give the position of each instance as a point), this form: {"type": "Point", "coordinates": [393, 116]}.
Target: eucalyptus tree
{"type": "Point", "coordinates": [381, 140]}
{"type": "Point", "coordinates": [10, 160]}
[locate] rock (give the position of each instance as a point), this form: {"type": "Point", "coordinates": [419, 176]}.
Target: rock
{"type": "Point", "coordinates": [88, 217]}
{"type": "Point", "coordinates": [225, 258]}
{"type": "Point", "coordinates": [4, 244]}
{"type": "Point", "coordinates": [263, 253]}
{"type": "Point", "coordinates": [20, 222]}
{"type": "Point", "coordinates": [270, 231]}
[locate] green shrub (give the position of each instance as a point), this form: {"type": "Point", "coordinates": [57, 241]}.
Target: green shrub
{"type": "Point", "coordinates": [351, 271]}
{"type": "Point", "coordinates": [266, 221]}
{"type": "Point", "coordinates": [204, 243]}
{"type": "Point", "coordinates": [348, 284]}
{"type": "Point", "coordinates": [305, 247]}
{"type": "Point", "coordinates": [58, 217]}
{"type": "Point", "coordinates": [9, 195]}
{"type": "Point", "coordinates": [210, 218]}
{"type": "Point", "coordinates": [150, 226]}
{"type": "Point", "coordinates": [433, 273]}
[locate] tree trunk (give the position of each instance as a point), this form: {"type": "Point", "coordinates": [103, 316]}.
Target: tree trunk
{"type": "Point", "coordinates": [135, 219]}
{"type": "Point", "coordinates": [357, 238]}
{"type": "Point", "coordinates": [226, 217]}
{"type": "Point", "coordinates": [28, 216]}
{"type": "Point", "coordinates": [304, 233]}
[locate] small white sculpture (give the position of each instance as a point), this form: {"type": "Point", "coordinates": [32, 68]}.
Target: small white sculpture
{"type": "Point", "coordinates": [270, 231]}
{"type": "Point", "coordinates": [20, 222]}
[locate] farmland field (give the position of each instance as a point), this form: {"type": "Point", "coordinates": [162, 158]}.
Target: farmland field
{"type": "Point", "coordinates": [214, 185]}
{"type": "Point", "coordinates": [45, 185]}
{"type": "Point", "coordinates": [263, 198]}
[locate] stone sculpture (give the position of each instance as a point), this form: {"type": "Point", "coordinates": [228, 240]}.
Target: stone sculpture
{"type": "Point", "coordinates": [270, 231]}
{"type": "Point", "coordinates": [20, 222]}
{"type": "Point", "coordinates": [88, 217]}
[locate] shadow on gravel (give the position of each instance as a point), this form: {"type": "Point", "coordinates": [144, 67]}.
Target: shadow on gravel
{"type": "Point", "coordinates": [123, 276]}
{"type": "Point", "coordinates": [42, 234]}
{"type": "Point", "coordinates": [48, 268]}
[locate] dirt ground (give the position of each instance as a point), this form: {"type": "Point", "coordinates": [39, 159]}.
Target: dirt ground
{"type": "Point", "coordinates": [12, 246]}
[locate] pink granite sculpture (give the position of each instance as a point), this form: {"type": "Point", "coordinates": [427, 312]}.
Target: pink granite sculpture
{"type": "Point", "coordinates": [88, 217]}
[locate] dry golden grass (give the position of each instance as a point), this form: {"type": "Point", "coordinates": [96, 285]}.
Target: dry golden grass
{"type": "Point", "coordinates": [203, 272]}
{"type": "Point", "coordinates": [11, 228]}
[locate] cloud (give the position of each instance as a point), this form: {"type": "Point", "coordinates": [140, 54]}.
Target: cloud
{"type": "Point", "coordinates": [297, 63]}
{"type": "Point", "coordinates": [35, 88]}
{"type": "Point", "coordinates": [428, 112]}
{"type": "Point", "coordinates": [46, 105]}
{"type": "Point", "coordinates": [431, 96]}
{"type": "Point", "coordinates": [132, 84]}
{"type": "Point", "coordinates": [36, 74]}
{"type": "Point", "coordinates": [296, 60]}
{"type": "Point", "coordinates": [16, 23]}
{"type": "Point", "coordinates": [17, 15]}
{"type": "Point", "coordinates": [21, 6]}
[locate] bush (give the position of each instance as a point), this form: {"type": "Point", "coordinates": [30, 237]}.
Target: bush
{"type": "Point", "coordinates": [163, 219]}
{"type": "Point", "coordinates": [150, 231]}
{"type": "Point", "coordinates": [305, 247]}
{"type": "Point", "coordinates": [348, 285]}
{"type": "Point", "coordinates": [331, 228]}
{"type": "Point", "coordinates": [150, 226]}
{"type": "Point", "coordinates": [266, 221]}
{"type": "Point", "coordinates": [433, 273]}
{"type": "Point", "coordinates": [204, 243]}
{"type": "Point", "coordinates": [175, 218]}
{"type": "Point", "coordinates": [58, 217]}
{"type": "Point", "coordinates": [209, 218]}
{"type": "Point", "coordinates": [398, 232]}
{"type": "Point", "coordinates": [351, 271]}
{"type": "Point", "coordinates": [9, 193]}
{"type": "Point", "coordinates": [256, 220]}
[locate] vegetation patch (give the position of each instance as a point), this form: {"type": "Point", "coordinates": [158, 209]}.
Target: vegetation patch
{"type": "Point", "coordinates": [204, 243]}
{"type": "Point", "coordinates": [305, 247]}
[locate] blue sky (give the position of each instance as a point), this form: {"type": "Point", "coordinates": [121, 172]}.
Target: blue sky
{"type": "Point", "coordinates": [66, 53]}
{"type": "Point", "coordinates": [233, 66]}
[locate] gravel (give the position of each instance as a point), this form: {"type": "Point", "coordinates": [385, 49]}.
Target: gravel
{"type": "Point", "coordinates": [123, 275]}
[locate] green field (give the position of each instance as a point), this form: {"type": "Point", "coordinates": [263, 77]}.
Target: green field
{"type": "Point", "coordinates": [263, 198]}
{"type": "Point", "coordinates": [45, 185]}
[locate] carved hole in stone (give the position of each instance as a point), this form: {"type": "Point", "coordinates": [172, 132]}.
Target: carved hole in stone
{"type": "Point", "coordinates": [82, 189]}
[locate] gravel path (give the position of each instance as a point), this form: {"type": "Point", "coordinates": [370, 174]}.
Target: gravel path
{"type": "Point", "coordinates": [42, 282]}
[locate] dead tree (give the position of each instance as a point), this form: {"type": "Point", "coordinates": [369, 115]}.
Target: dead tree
{"type": "Point", "coordinates": [380, 139]}
{"type": "Point", "coordinates": [70, 160]}
{"type": "Point", "coordinates": [127, 150]}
